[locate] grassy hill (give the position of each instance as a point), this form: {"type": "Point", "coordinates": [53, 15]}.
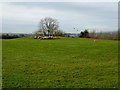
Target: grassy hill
{"type": "Point", "coordinates": [60, 63]}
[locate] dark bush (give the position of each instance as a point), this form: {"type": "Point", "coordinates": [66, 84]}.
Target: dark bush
{"type": "Point", "coordinates": [84, 34]}
{"type": "Point", "coordinates": [9, 36]}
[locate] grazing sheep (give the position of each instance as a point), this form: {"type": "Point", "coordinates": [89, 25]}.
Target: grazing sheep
{"type": "Point", "coordinates": [39, 37]}
{"type": "Point", "coordinates": [35, 37]}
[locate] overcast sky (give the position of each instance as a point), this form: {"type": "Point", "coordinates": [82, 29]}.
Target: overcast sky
{"type": "Point", "coordinates": [18, 17]}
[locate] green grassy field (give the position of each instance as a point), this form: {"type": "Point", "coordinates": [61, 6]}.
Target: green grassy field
{"type": "Point", "coordinates": [59, 63]}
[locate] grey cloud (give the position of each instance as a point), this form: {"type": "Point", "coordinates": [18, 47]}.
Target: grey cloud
{"type": "Point", "coordinates": [77, 14]}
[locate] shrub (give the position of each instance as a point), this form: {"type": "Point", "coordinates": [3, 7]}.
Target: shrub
{"type": "Point", "coordinates": [9, 36]}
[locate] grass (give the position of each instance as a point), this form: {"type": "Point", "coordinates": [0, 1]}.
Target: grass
{"type": "Point", "coordinates": [59, 63]}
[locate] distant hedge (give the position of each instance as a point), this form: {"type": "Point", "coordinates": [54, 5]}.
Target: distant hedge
{"type": "Point", "coordinates": [9, 36]}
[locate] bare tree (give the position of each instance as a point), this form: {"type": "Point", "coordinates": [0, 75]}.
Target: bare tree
{"type": "Point", "coordinates": [48, 26]}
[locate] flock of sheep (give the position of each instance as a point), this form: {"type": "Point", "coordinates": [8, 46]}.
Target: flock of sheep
{"type": "Point", "coordinates": [50, 37]}
{"type": "Point", "coordinates": [43, 37]}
